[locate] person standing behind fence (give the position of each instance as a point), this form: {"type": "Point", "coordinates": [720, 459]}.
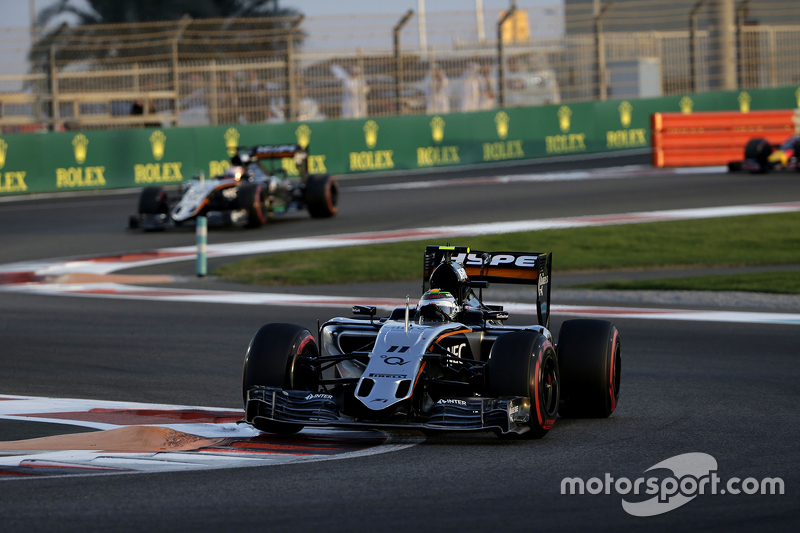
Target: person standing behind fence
{"type": "Point", "coordinates": [470, 88]}
{"type": "Point", "coordinates": [354, 94]}
{"type": "Point", "coordinates": [486, 83]}
{"type": "Point", "coordinates": [437, 90]}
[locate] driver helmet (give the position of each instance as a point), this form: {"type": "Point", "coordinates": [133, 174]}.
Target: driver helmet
{"type": "Point", "coordinates": [234, 172]}
{"type": "Point", "coordinates": [436, 304]}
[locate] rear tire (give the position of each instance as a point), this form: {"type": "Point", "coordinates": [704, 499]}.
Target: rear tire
{"type": "Point", "coordinates": [274, 359]}
{"type": "Point", "coordinates": [796, 155]}
{"type": "Point", "coordinates": [523, 363]}
{"type": "Point", "coordinates": [322, 196]}
{"type": "Point", "coordinates": [252, 197]}
{"type": "Point", "coordinates": [153, 201]}
{"type": "Point", "coordinates": [759, 150]}
{"type": "Point", "coordinates": [589, 357]}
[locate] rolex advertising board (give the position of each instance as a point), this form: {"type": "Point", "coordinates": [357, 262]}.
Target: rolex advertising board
{"type": "Point", "coordinates": [78, 160]}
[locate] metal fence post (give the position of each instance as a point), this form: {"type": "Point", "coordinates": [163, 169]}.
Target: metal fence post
{"type": "Point", "coordinates": [501, 64]}
{"type": "Point", "coordinates": [740, 15]}
{"type": "Point", "coordinates": [291, 85]}
{"type": "Point", "coordinates": [214, 104]}
{"type": "Point", "coordinates": [54, 87]}
{"type": "Point", "coordinates": [600, 52]}
{"type": "Point", "coordinates": [693, 43]}
{"type": "Point", "coordinates": [773, 58]}
{"type": "Point", "coordinates": [398, 61]}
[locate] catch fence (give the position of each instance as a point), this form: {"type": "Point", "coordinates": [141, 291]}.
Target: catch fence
{"type": "Point", "coordinates": [235, 71]}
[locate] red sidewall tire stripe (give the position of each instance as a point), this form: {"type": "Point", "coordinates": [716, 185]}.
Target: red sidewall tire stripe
{"type": "Point", "coordinates": [613, 358]}
{"type": "Point", "coordinates": [258, 206]}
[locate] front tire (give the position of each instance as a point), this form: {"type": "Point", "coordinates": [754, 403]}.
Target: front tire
{"type": "Point", "coordinates": [322, 196]}
{"type": "Point", "coordinates": [589, 356]}
{"type": "Point", "coordinates": [275, 358]}
{"type": "Point", "coordinates": [252, 197]}
{"type": "Point", "coordinates": [153, 201]}
{"type": "Point", "coordinates": [523, 363]}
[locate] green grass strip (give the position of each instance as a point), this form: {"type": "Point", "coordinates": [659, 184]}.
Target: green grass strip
{"type": "Point", "coordinates": [772, 282]}
{"type": "Point", "coordinates": [734, 241]}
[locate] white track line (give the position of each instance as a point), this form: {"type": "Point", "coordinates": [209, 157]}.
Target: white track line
{"type": "Point", "coordinates": [110, 264]}
{"type": "Point", "coordinates": [624, 172]}
{"type": "Point", "coordinates": [114, 290]}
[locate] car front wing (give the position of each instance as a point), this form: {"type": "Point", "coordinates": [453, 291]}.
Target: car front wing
{"type": "Point", "coordinates": [271, 404]}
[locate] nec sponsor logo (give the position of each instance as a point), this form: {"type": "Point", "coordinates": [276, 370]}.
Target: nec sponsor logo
{"type": "Point", "coordinates": [525, 261]}
{"type": "Point", "coordinates": [458, 349]}
{"type": "Point", "coordinates": [319, 397]}
{"type": "Point", "coordinates": [451, 401]}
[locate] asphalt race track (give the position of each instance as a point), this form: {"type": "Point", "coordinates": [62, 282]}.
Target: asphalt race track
{"type": "Point", "coordinates": [726, 390]}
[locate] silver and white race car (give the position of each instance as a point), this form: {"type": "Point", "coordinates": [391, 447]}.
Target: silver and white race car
{"type": "Point", "coordinates": [450, 363]}
{"type": "Point", "coordinates": [246, 195]}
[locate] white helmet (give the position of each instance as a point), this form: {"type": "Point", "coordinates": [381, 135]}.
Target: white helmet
{"type": "Point", "coordinates": [437, 304]}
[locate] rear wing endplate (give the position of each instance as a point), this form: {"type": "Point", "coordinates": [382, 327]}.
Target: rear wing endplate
{"type": "Point", "coordinates": [526, 268]}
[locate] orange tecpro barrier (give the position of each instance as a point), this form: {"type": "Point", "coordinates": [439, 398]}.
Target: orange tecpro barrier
{"type": "Point", "coordinates": [714, 137]}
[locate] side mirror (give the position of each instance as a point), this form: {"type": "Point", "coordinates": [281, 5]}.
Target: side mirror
{"type": "Point", "coordinates": [364, 310]}
{"type": "Point", "coordinates": [495, 315]}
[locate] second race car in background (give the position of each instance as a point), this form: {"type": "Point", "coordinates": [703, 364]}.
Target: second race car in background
{"type": "Point", "coordinates": [246, 195]}
{"type": "Point", "coordinates": [762, 156]}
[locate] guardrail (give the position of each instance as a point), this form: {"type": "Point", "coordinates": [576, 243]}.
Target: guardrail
{"type": "Point", "coordinates": [715, 137]}
{"type": "Point", "coordinates": [137, 157]}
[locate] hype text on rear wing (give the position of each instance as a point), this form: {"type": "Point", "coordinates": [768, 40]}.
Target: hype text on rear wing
{"type": "Point", "coordinates": [527, 268]}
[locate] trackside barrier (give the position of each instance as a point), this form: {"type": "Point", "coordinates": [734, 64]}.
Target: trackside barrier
{"type": "Point", "coordinates": [81, 160]}
{"type": "Point", "coordinates": [715, 137]}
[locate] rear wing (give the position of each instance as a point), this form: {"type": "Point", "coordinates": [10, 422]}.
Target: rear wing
{"type": "Point", "coordinates": [246, 155]}
{"type": "Point", "coordinates": [526, 268]}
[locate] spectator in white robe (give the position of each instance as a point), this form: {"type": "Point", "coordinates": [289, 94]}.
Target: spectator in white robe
{"type": "Point", "coordinates": [354, 93]}
{"type": "Point", "coordinates": [470, 88]}
{"type": "Point", "coordinates": [437, 88]}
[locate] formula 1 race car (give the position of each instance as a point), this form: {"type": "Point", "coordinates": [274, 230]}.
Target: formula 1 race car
{"type": "Point", "coordinates": [760, 156]}
{"type": "Point", "coordinates": [450, 363]}
{"type": "Point", "coordinates": [246, 195]}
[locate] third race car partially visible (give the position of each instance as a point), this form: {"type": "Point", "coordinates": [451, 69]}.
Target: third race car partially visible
{"type": "Point", "coordinates": [761, 156]}
{"type": "Point", "coordinates": [247, 194]}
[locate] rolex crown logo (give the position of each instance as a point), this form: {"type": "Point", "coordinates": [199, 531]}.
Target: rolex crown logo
{"type": "Point", "coordinates": [686, 105]}
{"type": "Point", "coordinates": [231, 141]}
{"type": "Point", "coordinates": [80, 144]}
{"type": "Point", "coordinates": [744, 102]}
{"type": "Point", "coordinates": [303, 134]}
{"type": "Point", "coordinates": [371, 133]}
{"type": "Point", "coordinates": [157, 142]}
{"type": "Point", "coordinates": [564, 114]}
{"type": "Point", "coordinates": [3, 150]}
{"type": "Point", "coordinates": [501, 121]}
{"type": "Point", "coordinates": [625, 112]}
{"type": "Point", "coordinates": [437, 129]}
